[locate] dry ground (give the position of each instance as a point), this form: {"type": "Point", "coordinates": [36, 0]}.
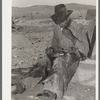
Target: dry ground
{"type": "Point", "coordinates": [29, 41]}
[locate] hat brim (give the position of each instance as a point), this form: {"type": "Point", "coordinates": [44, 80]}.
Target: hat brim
{"type": "Point", "coordinates": [59, 19]}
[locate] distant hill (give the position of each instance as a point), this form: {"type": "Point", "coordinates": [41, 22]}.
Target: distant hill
{"type": "Point", "coordinates": [44, 11]}
{"type": "Point", "coordinates": [75, 6]}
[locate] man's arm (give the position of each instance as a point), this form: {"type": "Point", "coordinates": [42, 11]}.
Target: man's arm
{"type": "Point", "coordinates": [82, 43]}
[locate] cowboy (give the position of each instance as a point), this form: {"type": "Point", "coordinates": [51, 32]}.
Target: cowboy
{"type": "Point", "coordinates": [70, 43]}
{"type": "Point", "coordinates": [69, 46]}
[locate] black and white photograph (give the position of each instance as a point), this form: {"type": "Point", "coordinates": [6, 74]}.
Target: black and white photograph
{"type": "Point", "coordinates": [53, 50]}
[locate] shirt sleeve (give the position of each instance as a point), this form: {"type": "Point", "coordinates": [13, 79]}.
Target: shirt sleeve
{"type": "Point", "coordinates": [82, 42]}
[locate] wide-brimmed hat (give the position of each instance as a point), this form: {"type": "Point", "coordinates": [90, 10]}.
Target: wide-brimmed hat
{"type": "Point", "coordinates": [61, 14]}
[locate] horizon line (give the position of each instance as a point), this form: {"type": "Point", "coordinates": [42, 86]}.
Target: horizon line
{"type": "Point", "coordinates": [52, 5]}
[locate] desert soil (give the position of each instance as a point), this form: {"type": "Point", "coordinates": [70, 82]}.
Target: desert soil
{"type": "Point", "coordinates": [29, 40]}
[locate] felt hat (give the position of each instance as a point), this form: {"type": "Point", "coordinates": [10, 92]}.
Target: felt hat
{"type": "Point", "coordinates": [61, 14]}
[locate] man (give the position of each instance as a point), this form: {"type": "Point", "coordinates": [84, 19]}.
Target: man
{"type": "Point", "coordinates": [69, 45]}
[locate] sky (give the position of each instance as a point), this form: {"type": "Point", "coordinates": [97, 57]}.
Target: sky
{"type": "Point", "coordinates": [27, 3]}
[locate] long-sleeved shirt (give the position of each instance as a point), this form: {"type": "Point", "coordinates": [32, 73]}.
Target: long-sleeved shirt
{"type": "Point", "coordinates": [60, 39]}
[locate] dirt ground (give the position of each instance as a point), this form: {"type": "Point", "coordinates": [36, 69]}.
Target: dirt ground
{"type": "Point", "coordinates": [29, 40]}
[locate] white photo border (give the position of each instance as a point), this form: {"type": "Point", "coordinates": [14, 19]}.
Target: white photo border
{"type": "Point", "coordinates": [7, 44]}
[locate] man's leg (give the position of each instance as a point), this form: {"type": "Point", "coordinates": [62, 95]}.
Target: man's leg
{"type": "Point", "coordinates": [55, 82]}
{"type": "Point", "coordinates": [58, 82]}
{"type": "Point", "coordinates": [53, 87]}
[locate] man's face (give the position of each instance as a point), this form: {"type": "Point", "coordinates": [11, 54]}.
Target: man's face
{"type": "Point", "coordinates": [64, 24]}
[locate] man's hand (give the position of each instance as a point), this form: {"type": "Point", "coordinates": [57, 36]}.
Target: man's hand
{"type": "Point", "coordinates": [49, 51]}
{"type": "Point", "coordinates": [78, 53]}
